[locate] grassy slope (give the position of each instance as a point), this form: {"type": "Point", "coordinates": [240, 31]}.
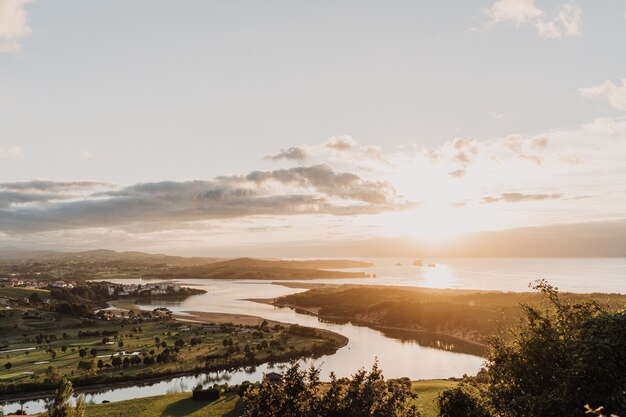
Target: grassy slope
{"type": "Point", "coordinates": [173, 405]}
{"type": "Point", "coordinates": [227, 271]}
{"type": "Point", "coordinates": [469, 314]}
{"type": "Point", "coordinates": [427, 392]}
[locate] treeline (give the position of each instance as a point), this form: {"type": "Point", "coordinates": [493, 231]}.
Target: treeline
{"type": "Point", "coordinates": [168, 355]}
{"type": "Point", "coordinates": [303, 394]}
{"type": "Point", "coordinates": [97, 333]}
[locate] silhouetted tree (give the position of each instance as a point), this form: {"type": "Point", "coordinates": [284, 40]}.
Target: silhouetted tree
{"type": "Point", "coordinates": [302, 394]}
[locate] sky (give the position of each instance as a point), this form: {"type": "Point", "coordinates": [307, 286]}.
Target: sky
{"type": "Point", "coordinates": [219, 127]}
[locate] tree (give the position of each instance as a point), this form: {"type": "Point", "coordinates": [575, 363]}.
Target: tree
{"type": "Point", "coordinates": [563, 358]}
{"type": "Point", "coordinates": [116, 361]}
{"type": "Point", "coordinates": [61, 405]}
{"type": "Point", "coordinates": [8, 365]}
{"type": "Point", "coordinates": [52, 373]}
{"type": "Point", "coordinates": [100, 364]}
{"type": "Point", "coordinates": [93, 352]}
{"type": "Point", "coordinates": [301, 393]}
{"type": "Point", "coordinates": [82, 352]}
{"type": "Point", "coordinates": [464, 400]}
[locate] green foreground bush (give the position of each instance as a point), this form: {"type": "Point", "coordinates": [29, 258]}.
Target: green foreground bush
{"type": "Point", "coordinates": [302, 394]}
{"type": "Point", "coordinates": [559, 361]}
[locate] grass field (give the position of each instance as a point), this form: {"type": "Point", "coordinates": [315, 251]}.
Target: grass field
{"type": "Point", "coordinates": [178, 405]}
{"type": "Point", "coordinates": [24, 359]}
{"type": "Point", "coordinates": [19, 292]}
{"type": "Point", "coordinates": [173, 405]}
{"type": "Point", "coordinates": [427, 392]}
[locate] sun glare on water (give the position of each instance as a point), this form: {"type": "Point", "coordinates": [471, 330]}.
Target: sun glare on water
{"type": "Point", "coordinates": [438, 276]}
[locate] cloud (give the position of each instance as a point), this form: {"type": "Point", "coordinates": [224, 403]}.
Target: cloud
{"type": "Point", "coordinates": [52, 186]}
{"type": "Point", "coordinates": [520, 197]}
{"type": "Point", "coordinates": [529, 149]}
{"type": "Point", "coordinates": [342, 148]}
{"type": "Point", "coordinates": [13, 198]}
{"type": "Point", "coordinates": [323, 179]}
{"type": "Point", "coordinates": [615, 94]}
{"type": "Point", "coordinates": [566, 23]}
{"type": "Point", "coordinates": [457, 173]}
{"type": "Point", "coordinates": [13, 24]}
{"type": "Point", "coordinates": [606, 125]}
{"type": "Point", "coordinates": [464, 149]}
{"type": "Point", "coordinates": [343, 143]}
{"type": "Point", "coordinates": [303, 190]}
{"type": "Point", "coordinates": [515, 11]}
{"type": "Point", "coordinates": [295, 153]}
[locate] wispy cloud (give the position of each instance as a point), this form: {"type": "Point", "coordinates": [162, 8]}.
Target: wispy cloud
{"type": "Point", "coordinates": [340, 148]}
{"type": "Point", "coordinates": [13, 24]}
{"type": "Point", "coordinates": [52, 186]}
{"type": "Point", "coordinates": [615, 94]}
{"type": "Point", "coordinates": [295, 153]}
{"type": "Point", "coordinates": [529, 149]}
{"type": "Point", "coordinates": [520, 197]}
{"type": "Point", "coordinates": [566, 23]}
{"type": "Point", "coordinates": [343, 143]}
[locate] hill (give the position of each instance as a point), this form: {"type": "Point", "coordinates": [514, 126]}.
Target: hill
{"type": "Point", "coordinates": [246, 268]}
{"type": "Point", "coordinates": [470, 315]}
{"type": "Point", "coordinates": [308, 264]}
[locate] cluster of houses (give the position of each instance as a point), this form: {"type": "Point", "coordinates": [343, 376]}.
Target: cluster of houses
{"type": "Point", "coordinates": [35, 283]}
{"type": "Point", "coordinates": [136, 289]}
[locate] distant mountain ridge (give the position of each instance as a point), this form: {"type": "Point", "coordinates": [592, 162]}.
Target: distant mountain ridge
{"type": "Point", "coordinates": [106, 255]}
{"type": "Point", "coordinates": [308, 264]}
{"type": "Point", "coordinates": [101, 255]}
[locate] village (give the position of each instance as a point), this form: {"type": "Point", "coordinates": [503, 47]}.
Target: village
{"type": "Point", "coordinates": [113, 289]}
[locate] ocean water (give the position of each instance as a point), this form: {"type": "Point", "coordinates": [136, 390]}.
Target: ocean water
{"type": "Point", "coordinates": [580, 275]}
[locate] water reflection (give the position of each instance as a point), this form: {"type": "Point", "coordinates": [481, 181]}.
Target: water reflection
{"type": "Point", "coordinates": [416, 356]}
{"type": "Point", "coordinates": [437, 276]}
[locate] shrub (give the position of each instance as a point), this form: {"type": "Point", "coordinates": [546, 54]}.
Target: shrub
{"type": "Point", "coordinates": [206, 394]}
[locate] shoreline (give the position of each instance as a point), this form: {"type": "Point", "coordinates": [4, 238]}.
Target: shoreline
{"type": "Point", "coordinates": [314, 311]}
{"type": "Point", "coordinates": [190, 316]}
{"type": "Point", "coordinates": [208, 317]}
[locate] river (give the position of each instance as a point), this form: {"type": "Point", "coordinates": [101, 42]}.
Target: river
{"type": "Point", "coordinates": [423, 356]}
